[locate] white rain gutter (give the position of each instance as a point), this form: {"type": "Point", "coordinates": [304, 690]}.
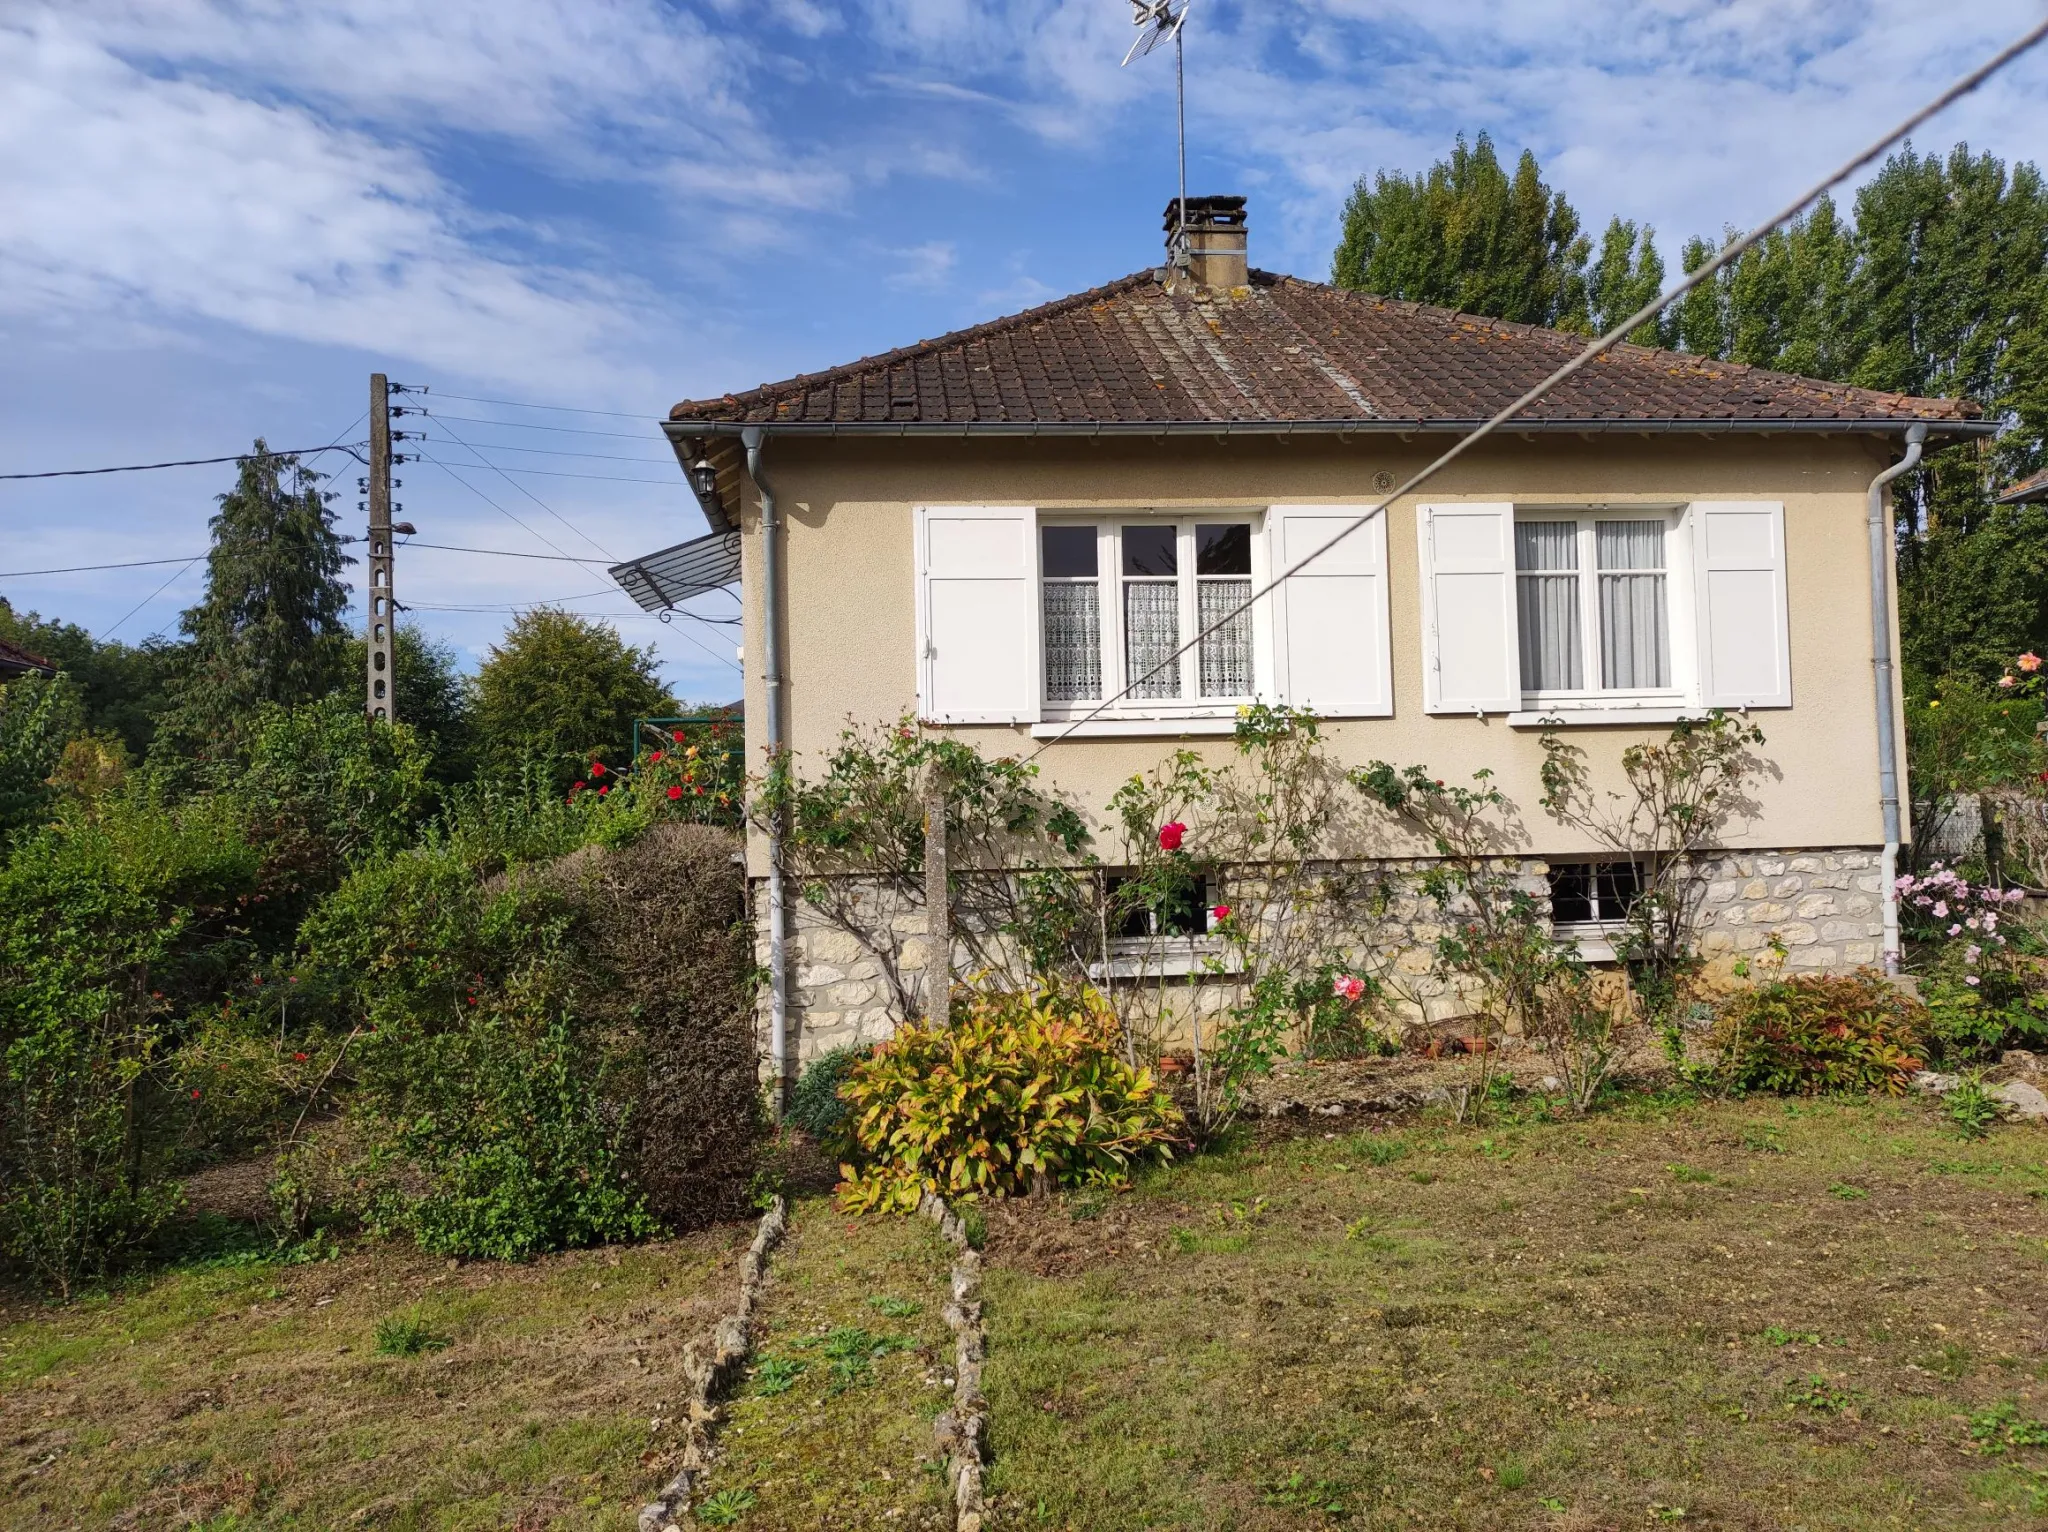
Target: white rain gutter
{"type": "Point", "coordinates": [1887, 700]}
{"type": "Point", "coordinates": [778, 747]}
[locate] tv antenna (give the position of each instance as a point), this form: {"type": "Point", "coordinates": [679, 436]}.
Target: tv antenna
{"type": "Point", "coordinates": [1157, 21]}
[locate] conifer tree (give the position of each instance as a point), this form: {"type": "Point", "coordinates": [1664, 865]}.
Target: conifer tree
{"type": "Point", "coordinates": [269, 628]}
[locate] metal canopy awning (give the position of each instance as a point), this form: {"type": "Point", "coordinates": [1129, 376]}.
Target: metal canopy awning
{"type": "Point", "coordinates": [667, 579]}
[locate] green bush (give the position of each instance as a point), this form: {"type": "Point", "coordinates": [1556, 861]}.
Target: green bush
{"type": "Point", "coordinates": [1820, 1032]}
{"type": "Point", "coordinates": [815, 1105]}
{"type": "Point", "coordinates": [113, 921]}
{"type": "Point", "coordinates": [510, 1127]}
{"type": "Point", "coordinates": [1021, 1086]}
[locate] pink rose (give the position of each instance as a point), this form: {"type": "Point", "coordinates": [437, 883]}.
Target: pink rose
{"type": "Point", "coordinates": [1221, 912]}
{"type": "Point", "coordinates": [2030, 662]}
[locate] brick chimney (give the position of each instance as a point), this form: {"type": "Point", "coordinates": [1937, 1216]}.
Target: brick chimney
{"type": "Point", "coordinates": [1216, 241]}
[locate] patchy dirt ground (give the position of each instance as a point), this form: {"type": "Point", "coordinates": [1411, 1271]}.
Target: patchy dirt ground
{"type": "Point", "coordinates": [253, 1395]}
{"type": "Point", "coordinates": [1754, 1315]}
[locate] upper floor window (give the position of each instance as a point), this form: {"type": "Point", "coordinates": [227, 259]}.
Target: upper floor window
{"type": "Point", "coordinates": [1593, 609]}
{"type": "Point", "coordinates": [1119, 599]}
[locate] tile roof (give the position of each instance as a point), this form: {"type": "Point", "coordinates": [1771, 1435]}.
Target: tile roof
{"type": "Point", "coordinates": [1283, 351]}
{"type": "Point", "coordinates": [2034, 487]}
{"type": "Point", "coordinates": [15, 661]}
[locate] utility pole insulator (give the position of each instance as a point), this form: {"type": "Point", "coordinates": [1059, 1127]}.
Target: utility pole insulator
{"type": "Point", "coordinates": [382, 630]}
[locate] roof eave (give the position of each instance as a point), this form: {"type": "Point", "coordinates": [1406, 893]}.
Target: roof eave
{"type": "Point", "coordinates": [681, 430]}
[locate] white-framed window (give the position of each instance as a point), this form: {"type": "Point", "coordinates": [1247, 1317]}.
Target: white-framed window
{"type": "Point", "coordinates": [1593, 605]}
{"type": "Point", "coordinates": [1603, 613]}
{"type": "Point", "coordinates": [1119, 596]}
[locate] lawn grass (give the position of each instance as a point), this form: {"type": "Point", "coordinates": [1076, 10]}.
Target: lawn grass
{"type": "Point", "coordinates": [833, 1427]}
{"type": "Point", "coordinates": [1751, 1314]}
{"type": "Point", "coordinates": [379, 1389]}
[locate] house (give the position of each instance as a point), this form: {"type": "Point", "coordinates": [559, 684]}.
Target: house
{"type": "Point", "coordinates": [1002, 528]}
{"type": "Point", "coordinates": [17, 661]}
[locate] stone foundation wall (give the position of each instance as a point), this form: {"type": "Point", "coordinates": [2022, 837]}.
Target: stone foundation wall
{"type": "Point", "coordinates": [1821, 906]}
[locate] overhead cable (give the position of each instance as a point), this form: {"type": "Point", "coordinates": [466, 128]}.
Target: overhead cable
{"type": "Point", "coordinates": [536, 499]}
{"type": "Point", "coordinates": [516, 404]}
{"type": "Point", "coordinates": [188, 462]}
{"type": "Point", "coordinates": [1728, 253]}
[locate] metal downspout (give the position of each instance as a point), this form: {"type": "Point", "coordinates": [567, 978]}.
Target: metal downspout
{"type": "Point", "coordinates": [778, 748]}
{"type": "Point", "coordinates": [1881, 665]}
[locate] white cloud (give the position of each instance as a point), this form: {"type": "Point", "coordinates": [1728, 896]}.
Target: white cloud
{"type": "Point", "coordinates": [924, 267]}
{"type": "Point", "coordinates": [132, 192]}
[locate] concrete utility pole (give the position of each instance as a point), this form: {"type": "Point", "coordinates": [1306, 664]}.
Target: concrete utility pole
{"type": "Point", "coordinates": [381, 633]}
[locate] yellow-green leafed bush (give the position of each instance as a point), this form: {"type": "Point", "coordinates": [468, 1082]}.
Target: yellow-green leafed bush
{"type": "Point", "coordinates": [1819, 1033]}
{"type": "Point", "coordinates": [1021, 1084]}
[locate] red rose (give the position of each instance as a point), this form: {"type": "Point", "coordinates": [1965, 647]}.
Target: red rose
{"type": "Point", "coordinates": [298, 1058]}
{"type": "Point", "coordinates": [605, 789]}
{"type": "Point", "coordinates": [577, 787]}
{"type": "Point", "coordinates": [654, 757]}
{"type": "Point", "coordinates": [1221, 912]}
{"type": "Point", "coordinates": [674, 793]}
{"type": "Point", "coordinates": [597, 768]}
{"type": "Point", "coordinates": [195, 1094]}
{"type": "Point", "coordinates": [1170, 835]}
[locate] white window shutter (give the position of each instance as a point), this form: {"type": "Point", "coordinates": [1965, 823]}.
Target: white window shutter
{"type": "Point", "coordinates": [1470, 663]}
{"type": "Point", "coordinates": [1745, 653]}
{"type": "Point", "coordinates": [977, 614]}
{"type": "Point", "coordinates": [1331, 632]}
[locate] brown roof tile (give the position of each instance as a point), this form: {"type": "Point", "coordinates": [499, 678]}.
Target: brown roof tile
{"type": "Point", "coordinates": [2034, 487]}
{"type": "Point", "coordinates": [1281, 351]}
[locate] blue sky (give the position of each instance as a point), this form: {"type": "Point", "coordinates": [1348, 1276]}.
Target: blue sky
{"type": "Point", "coordinates": [218, 216]}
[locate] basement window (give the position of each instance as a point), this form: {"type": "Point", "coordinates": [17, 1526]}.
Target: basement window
{"type": "Point", "coordinates": [1592, 893]}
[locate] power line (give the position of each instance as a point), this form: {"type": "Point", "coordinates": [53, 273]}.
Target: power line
{"type": "Point", "coordinates": [536, 499]}
{"type": "Point", "coordinates": [23, 574]}
{"type": "Point", "coordinates": [178, 574]}
{"type": "Point", "coordinates": [521, 425]}
{"type": "Point", "coordinates": [516, 404]}
{"type": "Point", "coordinates": [607, 457]}
{"type": "Point", "coordinates": [556, 473]}
{"type": "Point", "coordinates": [107, 637]}
{"type": "Point", "coordinates": [1729, 252]}
{"type": "Point", "coordinates": [487, 500]}
{"type": "Point", "coordinates": [505, 553]}
{"type": "Point", "coordinates": [189, 462]}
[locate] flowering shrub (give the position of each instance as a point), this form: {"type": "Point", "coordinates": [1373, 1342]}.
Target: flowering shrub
{"type": "Point", "coordinates": [1942, 905]}
{"type": "Point", "coordinates": [698, 777]}
{"type": "Point", "coordinates": [1021, 1086]}
{"type": "Point", "coordinates": [1820, 1032]}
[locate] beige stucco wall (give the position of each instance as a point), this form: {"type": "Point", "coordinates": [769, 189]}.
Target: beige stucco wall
{"type": "Point", "coordinates": [847, 507]}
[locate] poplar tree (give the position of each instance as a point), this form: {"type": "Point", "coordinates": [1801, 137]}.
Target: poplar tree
{"type": "Point", "coordinates": [1466, 235]}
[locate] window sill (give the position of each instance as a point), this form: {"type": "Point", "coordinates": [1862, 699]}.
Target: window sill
{"type": "Point", "coordinates": [1594, 939]}
{"type": "Point", "coordinates": [1171, 958]}
{"type": "Point", "coordinates": [1136, 728]}
{"type": "Point", "coordinates": [1588, 717]}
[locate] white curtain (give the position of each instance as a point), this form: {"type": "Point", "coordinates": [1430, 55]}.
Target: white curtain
{"type": "Point", "coordinates": [1226, 653]}
{"type": "Point", "coordinates": [1073, 641]}
{"type": "Point", "coordinates": [1151, 633]}
{"type": "Point", "coordinates": [1547, 604]}
{"type": "Point", "coordinates": [1635, 651]}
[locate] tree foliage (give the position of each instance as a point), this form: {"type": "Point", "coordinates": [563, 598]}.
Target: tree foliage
{"type": "Point", "coordinates": [563, 690]}
{"type": "Point", "coordinates": [1934, 283]}
{"type": "Point", "coordinates": [1467, 235]}
{"type": "Point", "coordinates": [268, 630]}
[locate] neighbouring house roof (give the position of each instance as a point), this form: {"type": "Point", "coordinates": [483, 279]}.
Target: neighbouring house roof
{"type": "Point", "coordinates": [17, 661]}
{"type": "Point", "coordinates": [1280, 354]}
{"type": "Point", "coordinates": [2033, 488]}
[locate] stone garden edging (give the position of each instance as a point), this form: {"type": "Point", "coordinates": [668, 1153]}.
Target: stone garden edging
{"type": "Point", "coordinates": [962, 1431]}
{"type": "Point", "coordinates": [709, 1366]}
